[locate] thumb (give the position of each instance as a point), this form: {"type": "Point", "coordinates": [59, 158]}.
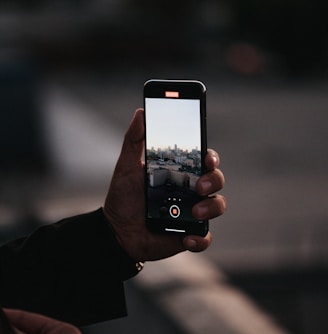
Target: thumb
{"type": "Point", "coordinates": [133, 144]}
{"type": "Point", "coordinates": [135, 132]}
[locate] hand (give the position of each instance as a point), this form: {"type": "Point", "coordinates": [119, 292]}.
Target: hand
{"type": "Point", "coordinates": [31, 323]}
{"type": "Point", "coordinates": [125, 206]}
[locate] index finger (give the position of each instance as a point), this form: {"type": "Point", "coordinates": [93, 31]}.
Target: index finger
{"type": "Point", "coordinates": [212, 159]}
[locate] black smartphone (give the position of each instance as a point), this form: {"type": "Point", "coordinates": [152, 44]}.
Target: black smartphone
{"type": "Point", "coordinates": [175, 149]}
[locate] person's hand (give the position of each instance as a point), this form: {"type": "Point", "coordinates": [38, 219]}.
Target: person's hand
{"type": "Point", "coordinates": [125, 205]}
{"type": "Point", "coordinates": [25, 322]}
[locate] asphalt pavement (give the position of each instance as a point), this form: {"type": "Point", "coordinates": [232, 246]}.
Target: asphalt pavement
{"type": "Point", "coordinates": [272, 141]}
{"type": "Point", "coordinates": [271, 137]}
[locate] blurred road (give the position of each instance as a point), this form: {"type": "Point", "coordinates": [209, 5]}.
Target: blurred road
{"type": "Point", "coordinates": [267, 268]}
{"type": "Point", "coordinates": [272, 140]}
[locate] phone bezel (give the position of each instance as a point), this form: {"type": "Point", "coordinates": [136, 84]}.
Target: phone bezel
{"type": "Point", "coordinates": [188, 89]}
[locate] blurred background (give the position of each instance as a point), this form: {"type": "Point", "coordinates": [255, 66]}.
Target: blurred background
{"type": "Point", "coordinates": [71, 76]}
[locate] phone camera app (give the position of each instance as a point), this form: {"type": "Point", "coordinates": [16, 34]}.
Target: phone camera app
{"type": "Point", "coordinates": [173, 157]}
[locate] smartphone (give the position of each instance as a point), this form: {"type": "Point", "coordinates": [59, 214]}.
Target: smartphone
{"type": "Point", "coordinates": [175, 149]}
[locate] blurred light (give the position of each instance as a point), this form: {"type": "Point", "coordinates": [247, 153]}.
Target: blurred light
{"type": "Point", "coordinates": [245, 58]}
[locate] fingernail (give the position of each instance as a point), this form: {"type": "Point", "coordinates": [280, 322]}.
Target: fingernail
{"type": "Point", "coordinates": [215, 158]}
{"type": "Point", "coordinates": [206, 186]}
{"type": "Point", "coordinates": [202, 211]}
{"type": "Point", "coordinates": [191, 244]}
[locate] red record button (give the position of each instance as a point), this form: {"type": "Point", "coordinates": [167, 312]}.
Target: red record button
{"type": "Point", "coordinates": [174, 211]}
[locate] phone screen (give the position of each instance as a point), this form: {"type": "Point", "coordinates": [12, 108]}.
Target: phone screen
{"type": "Point", "coordinates": [174, 160]}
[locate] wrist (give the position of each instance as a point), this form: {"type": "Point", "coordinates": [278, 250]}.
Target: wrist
{"type": "Point", "coordinates": [121, 242]}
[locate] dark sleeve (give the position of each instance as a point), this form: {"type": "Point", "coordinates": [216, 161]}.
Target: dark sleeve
{"type": "Point", "coordinates": [72, 270]}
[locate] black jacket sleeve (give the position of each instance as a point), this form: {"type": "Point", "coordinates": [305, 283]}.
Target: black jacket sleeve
{"type": "Point", "coordinates": [72, 270]}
